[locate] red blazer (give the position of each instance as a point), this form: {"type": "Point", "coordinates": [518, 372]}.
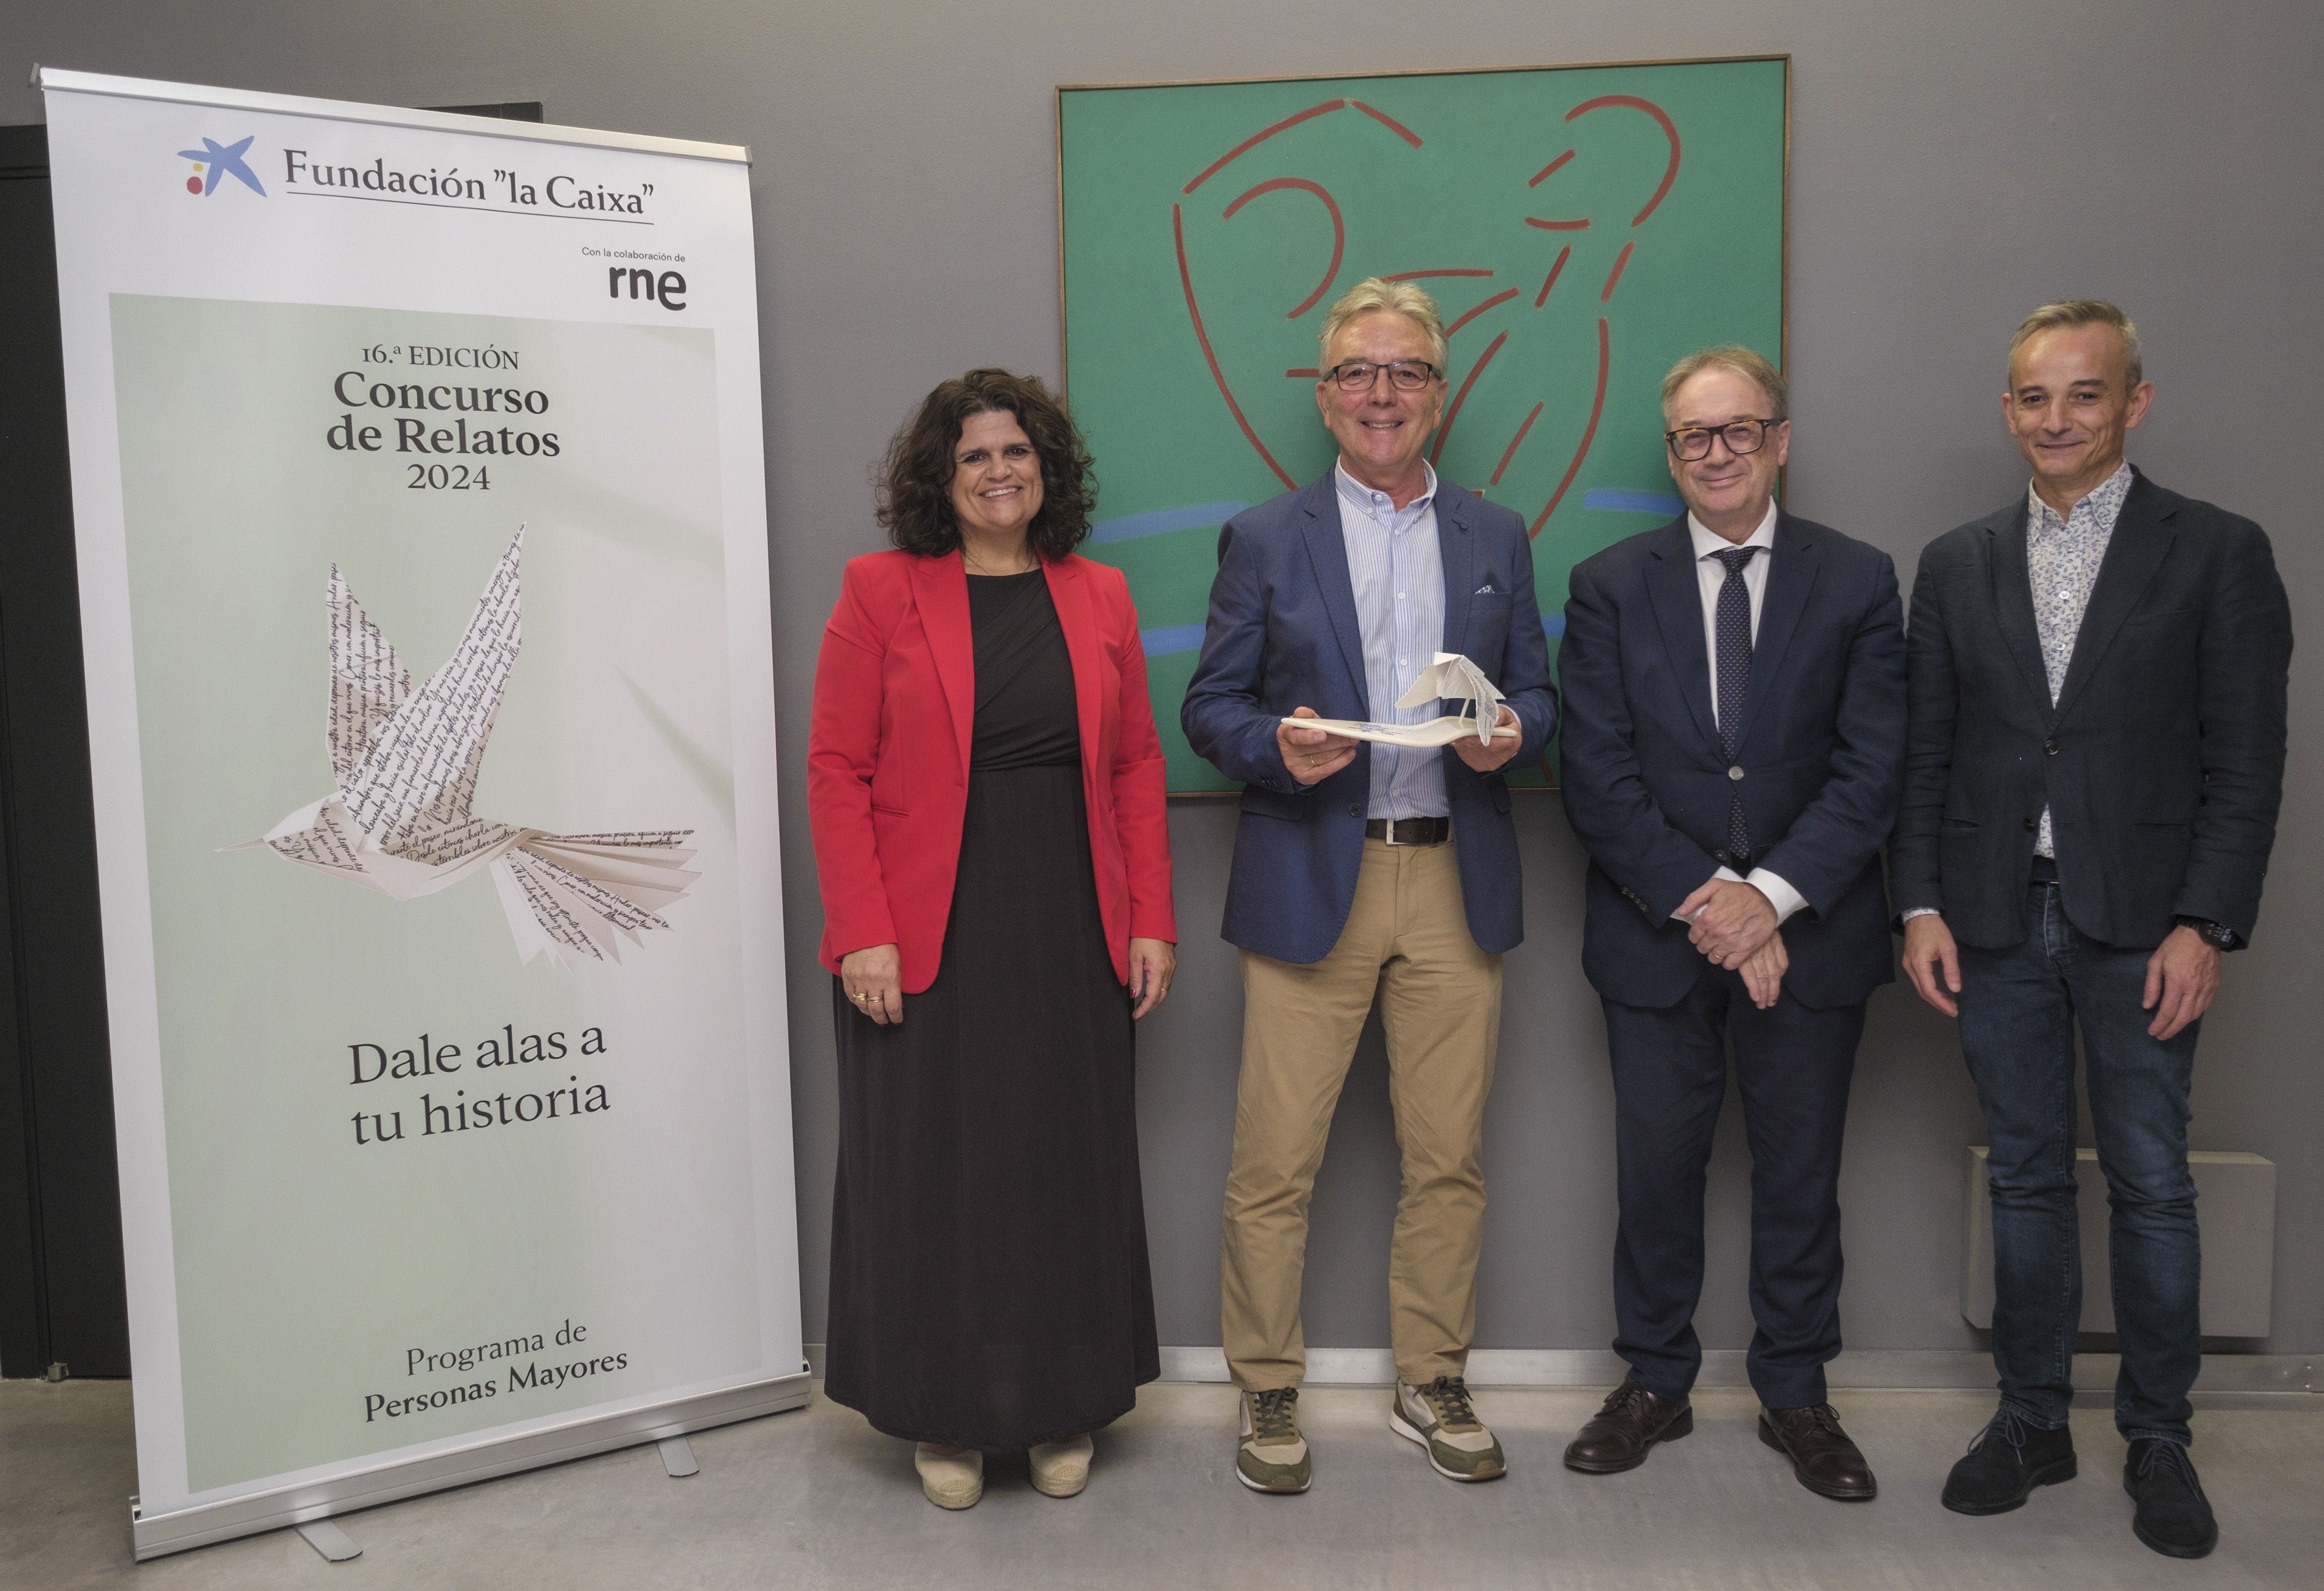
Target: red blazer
{"type": "Point", "coordinates": [886, 762]}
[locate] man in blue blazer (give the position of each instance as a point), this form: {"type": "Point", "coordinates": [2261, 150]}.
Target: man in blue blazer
{"type": "Point", "coordinates": [1364, 868]}
{"type": "Point", "coordinates": [1732, 758]}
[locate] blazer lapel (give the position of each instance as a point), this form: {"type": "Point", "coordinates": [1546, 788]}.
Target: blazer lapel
{"type": "Point", "coordinates": [1791, 568]}
{"type": "Point", "coordinates": [2140, 542]}
{"type": "Point", "coordinates": [1677, 598]}
{"type": "Point", "coordinates": [940, 590]}
{"type": "Point", "coordinates": [2012, 599]}
{"type": "Point", "coordinates": [1327, 550]}
{"type": "Point", "coordinates": [1083, 646]}
{"type": "Point", "coordinates": [1456, 550]}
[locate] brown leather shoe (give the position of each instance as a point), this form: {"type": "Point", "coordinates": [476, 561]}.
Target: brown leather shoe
{"type": "Point", "coordinates": [1827, 1463]}
{"type": "Point", "coordinates": [1631, 1420]}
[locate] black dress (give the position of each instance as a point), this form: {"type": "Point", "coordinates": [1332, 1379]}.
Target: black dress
{"type": "Point", "coordinates": [989, 1280]}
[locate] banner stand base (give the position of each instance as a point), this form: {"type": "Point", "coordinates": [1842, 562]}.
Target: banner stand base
{"type": "Point", "coordinates": [677, 1460]}
{"type": "Point", "coordinates": [326, 1538]}
{"type": "Point", "coordinates": [157, 1535]}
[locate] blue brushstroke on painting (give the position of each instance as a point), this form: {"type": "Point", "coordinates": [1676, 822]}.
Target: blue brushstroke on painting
{"type": "Point", "coordinates": [1162, 520]}
{"type": "Point", "coordinates": [1176, 638]}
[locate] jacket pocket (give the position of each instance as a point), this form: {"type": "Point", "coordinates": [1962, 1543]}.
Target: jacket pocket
{"type": "Point", "coordinates": [1267, 804]}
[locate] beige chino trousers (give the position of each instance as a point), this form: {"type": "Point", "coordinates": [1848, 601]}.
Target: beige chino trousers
{"type": "Point", "coordinates": [1406, 942]}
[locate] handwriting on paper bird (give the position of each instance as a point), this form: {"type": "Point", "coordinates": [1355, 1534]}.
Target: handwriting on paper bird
{"type": "Point", "coordinates": [400, 820]}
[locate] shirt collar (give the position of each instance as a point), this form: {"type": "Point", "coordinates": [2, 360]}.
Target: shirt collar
{"type": "Point", "coordinates": [1708, 541]}
{"type": "Point", "coordinates": [1378, 504]}
{"type": "Point", "coordinates": [2103, 503]}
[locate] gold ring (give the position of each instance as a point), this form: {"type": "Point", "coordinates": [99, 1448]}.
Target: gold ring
{"type": "Point", "coordinates": [859, 997]}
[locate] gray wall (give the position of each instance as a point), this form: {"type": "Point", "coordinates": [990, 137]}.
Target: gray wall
{"type": "Point", "coordinates": [1951, 165]}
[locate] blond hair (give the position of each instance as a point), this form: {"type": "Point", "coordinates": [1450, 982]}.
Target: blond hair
{"type": "Point", "coordinates": [1401, 298]}
{"type": "Point", "coordinates": [2068, 312]}
{"type": "Point", "coordinates": [1744, 361]}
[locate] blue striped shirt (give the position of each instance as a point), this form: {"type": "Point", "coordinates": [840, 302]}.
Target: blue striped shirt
{"type": "Point", "coordinates": [1397, 570]}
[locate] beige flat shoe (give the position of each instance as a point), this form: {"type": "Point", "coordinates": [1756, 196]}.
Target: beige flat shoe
{"type": "Point", "coordinates": [1061, 1469]}
{"type": "Point", "coordinates": [953, 1477]}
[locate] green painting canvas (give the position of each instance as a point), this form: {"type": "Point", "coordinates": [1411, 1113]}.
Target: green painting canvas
{"type": "Point", "coordinates": [1582, 228]}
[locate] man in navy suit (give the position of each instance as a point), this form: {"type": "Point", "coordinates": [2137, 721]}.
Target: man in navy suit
{"type": "Point", "coordinates": [1732, 758]}
{"type": "Point", "coordinates": [1362, 868]}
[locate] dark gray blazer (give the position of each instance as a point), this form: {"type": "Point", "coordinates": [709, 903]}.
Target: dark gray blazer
{"type": "Point", "coordinates": [1819, 762]}
{"type": "Point", "coordinates": [2162, 762]}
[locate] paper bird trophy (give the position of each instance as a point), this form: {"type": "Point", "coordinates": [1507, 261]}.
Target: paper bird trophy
{"type": "Point", "coordinates": [1451, 676]}
{"type": "Point", "coordinates": [407, 760]}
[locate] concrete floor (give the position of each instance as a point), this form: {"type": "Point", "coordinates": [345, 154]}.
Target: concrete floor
{"type": "Point", "coordinates": [815, 1499]}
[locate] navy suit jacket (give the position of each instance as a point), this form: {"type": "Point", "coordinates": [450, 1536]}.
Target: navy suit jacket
{"type": "Point", "coordinates": [1819, 754]}
{"type": "Point", "coordinates": [2162, 760]}
{"type": "Point", "coordinates": [1283, 634]}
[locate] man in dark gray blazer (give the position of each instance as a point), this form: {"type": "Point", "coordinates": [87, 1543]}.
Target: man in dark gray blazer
{"type": "Point", "coordinates": [2097, 749]}
{"type": "Point", "coordinates": [1732, 752]}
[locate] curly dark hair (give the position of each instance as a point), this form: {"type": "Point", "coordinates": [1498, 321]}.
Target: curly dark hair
{"type": "Point", "coordinates": [913, 488]}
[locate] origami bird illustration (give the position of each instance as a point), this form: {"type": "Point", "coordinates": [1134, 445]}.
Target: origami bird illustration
{"type": "Point", "coordinates": [400, 819]}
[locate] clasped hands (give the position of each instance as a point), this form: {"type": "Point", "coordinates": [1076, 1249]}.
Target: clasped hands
{"type": "Point", "coordinates": [1313, 756]}
{"type": "Point", "coordinates": [1735, 926]}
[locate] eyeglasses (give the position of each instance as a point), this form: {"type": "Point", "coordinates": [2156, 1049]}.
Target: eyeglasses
{"type": "Point", "coordinates": [1357, 375]}
{"type": "Point", "coordinates": [1742, 436]}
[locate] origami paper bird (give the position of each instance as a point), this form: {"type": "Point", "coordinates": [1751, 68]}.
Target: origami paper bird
{"type": "Point", "coordinates": [1450, 677]}
{"type": "Point", "coordinates": [400, 819]}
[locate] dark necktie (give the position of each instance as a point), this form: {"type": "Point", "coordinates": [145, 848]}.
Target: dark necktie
{"type": "Point", "coordinates": [1734, 664]}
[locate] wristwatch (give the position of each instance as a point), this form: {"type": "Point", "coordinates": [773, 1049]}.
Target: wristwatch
{"type": "Point", "coordinates": [2217, 935]}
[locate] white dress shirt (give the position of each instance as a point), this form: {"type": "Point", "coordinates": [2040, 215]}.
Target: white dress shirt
{"type": "Point", "coordinates": [1711, 577]}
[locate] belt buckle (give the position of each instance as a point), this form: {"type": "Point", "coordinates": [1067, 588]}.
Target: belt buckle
{"type": "Point", "coordinates": [1392, 832]}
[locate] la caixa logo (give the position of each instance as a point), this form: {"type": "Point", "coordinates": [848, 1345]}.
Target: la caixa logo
{"type": "Point", "coordinates": [215, 161]}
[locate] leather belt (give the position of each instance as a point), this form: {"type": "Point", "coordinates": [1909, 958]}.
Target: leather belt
{"type": "Point", "coordinates": [1410, 831]}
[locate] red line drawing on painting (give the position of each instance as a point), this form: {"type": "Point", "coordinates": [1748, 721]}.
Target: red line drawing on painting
{"type": "Point", "coordinates": [1390, 122]}
{"type": "Point", "coordinates": [1462, 396]}
{"type": "Point", "coordinates": [1179, 233]}
{"type": "Point", "coordinates": [1588, 433]}
{"type": "Point", "coordinates": [1256, 139]}
{"type": "Point", "coordinates": [1670, 172]}
{"type": "Point", "coordinates": [1502, 297]}
{"type": "Point", "coordinates": [1339, 231]}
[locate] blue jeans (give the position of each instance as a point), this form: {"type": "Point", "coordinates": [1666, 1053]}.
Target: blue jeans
{"type": "Point", "coordinates": [2018, 1012]}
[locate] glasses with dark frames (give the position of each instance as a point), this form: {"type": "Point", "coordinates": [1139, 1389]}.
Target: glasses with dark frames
{"type": "Point", "coordinates": [1358, 376]}
{"type": "Point", "coordinates": [1742, 436]}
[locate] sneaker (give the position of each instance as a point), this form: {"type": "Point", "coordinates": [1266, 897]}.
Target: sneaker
{"type": "Point", "coordinates": [1438, 1416]}
{"type": "Point", "coordinates": [953, 1477]}
{"type": "Point", "coordinates": [2008, 1459]}
{"type": "Point", "coordinates": [1270, 1455]}
{"type": "Point", "coordinates": [1061, 1469]}
{"type": "Point", "coordinates": [2174, 1516]}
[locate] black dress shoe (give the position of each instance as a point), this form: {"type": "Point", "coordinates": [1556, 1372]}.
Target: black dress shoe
{"type": "Point", "coordinates": [1631, 1420]}
{"type": "Point", "coordinates": [1827, 1463]}
{"type": "Point", "coordinates": [2174, 1516]}
{"type": "Point", "coordinates": [2008, 1459]}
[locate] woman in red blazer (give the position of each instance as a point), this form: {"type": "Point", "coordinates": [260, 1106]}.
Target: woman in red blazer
{"type": "Point", "coordinates": [986, 791]}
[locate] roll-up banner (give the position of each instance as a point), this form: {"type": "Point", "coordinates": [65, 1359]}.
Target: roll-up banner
{"type": "Point", "coordinates": [421, 526]}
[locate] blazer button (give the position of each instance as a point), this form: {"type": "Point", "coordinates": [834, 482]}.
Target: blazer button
{"type": "Point", "coordinates": [1735, 774]}
{"type": "Point", "coordinates": [2051, 746]}
{"type": "Point", "coordinates": [2032, 823]}
{"type": "Point", "coordinates": [1354, 810]}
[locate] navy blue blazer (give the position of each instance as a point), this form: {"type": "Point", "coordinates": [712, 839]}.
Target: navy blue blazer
{"type": "Point", "coordinates": [1282, 634]}
{"type": "Point", "coordinates": [1820, 760]}
{"type": "Point", "coordinates": [2162, 761]}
